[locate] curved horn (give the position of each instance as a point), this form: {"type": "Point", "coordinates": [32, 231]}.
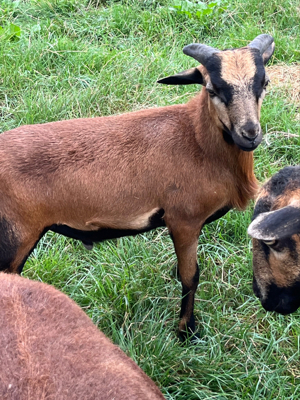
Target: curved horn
{"type": "Point", "coordinates": [199, 52]}
{"type": "Point", "coordinates": [261, 42]}
{"type": "Point", "coordinates": [278, 224]}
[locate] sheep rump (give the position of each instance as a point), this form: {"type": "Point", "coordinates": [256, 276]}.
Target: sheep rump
{"type": "Point", "coordinates": [50, 350]}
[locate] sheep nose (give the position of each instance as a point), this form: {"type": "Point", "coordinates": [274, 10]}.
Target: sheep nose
{"type": "Point", "coordinates": [250, 131]}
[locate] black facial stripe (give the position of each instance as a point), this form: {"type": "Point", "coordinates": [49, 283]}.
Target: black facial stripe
{"type": "Point", "coordinates": [266, 250]}
{"type": "Point", "coordinates": [221, 87]}
{"type": "Point", "coordinates": [226, 133]}
{"type": "Point", "coordinates": [226, 91]}
{"type": "Point", "coordinates": [225, 128]}
{"type": "Point", "coordinates": [260, 74]}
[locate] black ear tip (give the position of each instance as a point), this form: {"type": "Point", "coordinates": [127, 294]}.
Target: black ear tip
{"type": "Point", "coordinates": [164, 81]}
{"type": "Point", "coordinates": [188, 77]}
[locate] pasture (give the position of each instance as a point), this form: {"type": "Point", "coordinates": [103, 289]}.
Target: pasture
{"type": "Point", "coordinates": [62, 59]}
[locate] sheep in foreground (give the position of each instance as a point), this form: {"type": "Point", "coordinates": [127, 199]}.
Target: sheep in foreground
{"type": "Point", "coordinates": [275, 230]}
{"type": "Point", "coordinates": [50, 350]}
{"type": "Point", "coordinates": [179, 166]}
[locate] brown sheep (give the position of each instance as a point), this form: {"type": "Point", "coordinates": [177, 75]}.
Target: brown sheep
{"type": "Point", "coordinates": [178, 166]}
{"type": "Point", "coordinates": [51, 350]}
{"type": "Point", "coordinates": [276, 242]}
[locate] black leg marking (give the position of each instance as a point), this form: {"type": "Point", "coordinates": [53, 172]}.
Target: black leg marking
{"type": "Point", "coordinates": [187, 298]}
{"type": "Point", "coordinates": [9, 244]}
{"type": "Point", "coordinates": [21, 266]}
{"type": "Point", "coordinates": [187, 305]}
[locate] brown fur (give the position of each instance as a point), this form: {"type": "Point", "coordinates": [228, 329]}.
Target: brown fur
{"type": "Point", "coordinates": [122, 150]}
{"type": "Point", "coordinates": [113, 172]}
{"type": "Point", "coordinates": [50, 350]}
{"type": "Point", "coordinates": [288, 197]}
{"type": "Point", "coordinates": [276, 262]}
{"type": "Point", "coordinates": [280, 268]}
{"type": "Point", "coordinates": [238, 70]}
{"type": "Point", "coordinates": [238, 67]}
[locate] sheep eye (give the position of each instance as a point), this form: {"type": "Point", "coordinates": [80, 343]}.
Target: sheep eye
{"type": "Point", "coordinates": [211, 92]}
{"type": "Point", "coordinates": [271, 243]}
{"type": "Point", "coordinates": [266, 83]}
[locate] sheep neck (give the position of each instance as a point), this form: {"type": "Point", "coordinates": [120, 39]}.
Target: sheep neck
{"type": "Point", "coordinates": [221, 150]}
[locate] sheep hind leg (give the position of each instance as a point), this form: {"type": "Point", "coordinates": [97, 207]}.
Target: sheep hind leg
{"type": "Point", "coordinates": [185, 243]}
{"type": "Point", "coordinates": [15, 246]}
{"type": "Point", "coordinates": [9, 244]}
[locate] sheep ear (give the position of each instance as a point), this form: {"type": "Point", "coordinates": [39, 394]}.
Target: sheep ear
{"type": "Point", "coordinates": [275, 225]}
{"type": "Point", "coordinates": [188, 77]}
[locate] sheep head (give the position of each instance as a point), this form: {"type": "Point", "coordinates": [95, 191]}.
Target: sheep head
{"type": "Point", "coordinates": [235, 81]}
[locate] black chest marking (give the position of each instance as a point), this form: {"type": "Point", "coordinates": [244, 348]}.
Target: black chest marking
{"type": "Point", "coordinates": [218, 214]}
{"type": "Point", "coordinates": [88, 237]}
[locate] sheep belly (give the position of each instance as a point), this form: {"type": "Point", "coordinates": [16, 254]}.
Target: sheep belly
{"type": "Point", "coordinates": [88, 237]}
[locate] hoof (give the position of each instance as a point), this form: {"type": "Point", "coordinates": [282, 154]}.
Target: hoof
{"type": "Point", "coordinates": [189, 336]}
{"type": "Point", "coordinates": [88, 245]}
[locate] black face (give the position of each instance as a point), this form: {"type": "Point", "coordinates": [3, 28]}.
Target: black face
{"type": "Point", "coordinates": [275, 230]}
{"type": "Point", "coordinates": [276, 281]}
{"type": "Point", "coordinates": [255, 80]}
{"type": "Point", "coordinates": [237, 87]}
{"type": "Point", "coordinates": [281, 300]}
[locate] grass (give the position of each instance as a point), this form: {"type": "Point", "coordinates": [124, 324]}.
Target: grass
{"type": "Point", "coordinates": [80, 58]}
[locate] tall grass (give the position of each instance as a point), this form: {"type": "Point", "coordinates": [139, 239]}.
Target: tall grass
{"type": "Point", "coordinates": [78, 58]}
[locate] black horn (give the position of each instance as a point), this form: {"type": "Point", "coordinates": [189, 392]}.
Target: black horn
{"type": "Point", "coordinates": [262, 42]}
{"type": "Point", "coordinates": [199, 52]}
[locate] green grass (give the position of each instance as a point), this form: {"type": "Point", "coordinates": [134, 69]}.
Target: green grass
{"type": "Point", "coordinates": [80, 58]}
